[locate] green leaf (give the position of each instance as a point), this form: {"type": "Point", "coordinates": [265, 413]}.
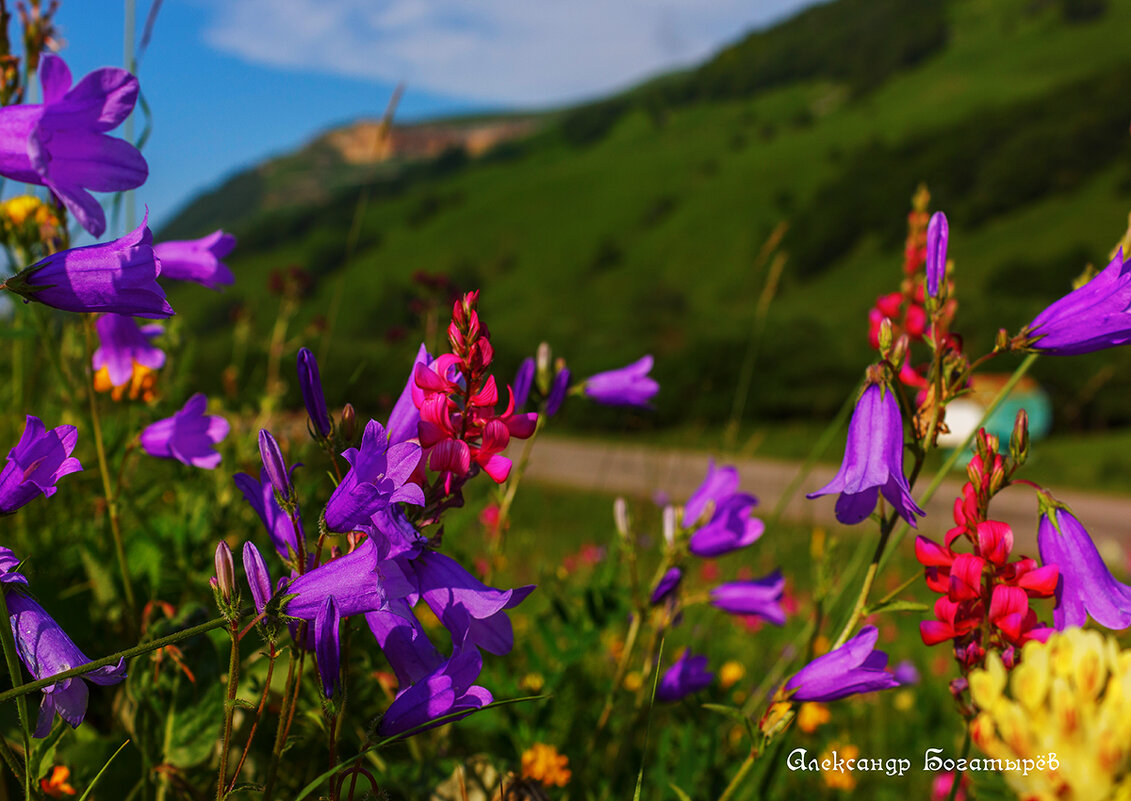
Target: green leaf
{"type": "Point", "coordinates": [896, 606]}
{"type": "Point", "coordinates": [648, 725]}
{"type": "Point", "coordinates": [680, 794]}
{"type": "Point", "coordinates": [192, 728]}
{"type": "Point", "coordinates": [734, 713]}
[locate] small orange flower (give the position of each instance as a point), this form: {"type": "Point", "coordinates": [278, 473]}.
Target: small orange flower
{"type": "Point", "coordinates": [811, 715]}
{"type": "Point", "coordinates": [140, 386]}
{"type": "Point", "coordinates": [56, 785]}
{"type": "Point", "coordinates": [840, 780]}
{"type": "Point", "coordinates": [544, 764]}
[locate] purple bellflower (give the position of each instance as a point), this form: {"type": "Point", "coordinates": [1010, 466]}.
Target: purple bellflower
{"type": "Point", "coordinates": [45, 649]}
{"type": "Point", "coordinates": [378, 476]}
{"type": "Point", "coordinates": [761, 597]}
{"type": "Point", "coordinates": [906, 673]}
{"type": "Point", "coordinates": [189, 436]}
{"type": "Point", "coordinates": [938, 231]}
{"type": "Point", "coordinates": [327, 644]}
{"type": "Point", "coordinates": [687, 675]}
{"type": "Point", "coordinates": [873, 461]}
{"type": "Point", "coordinates": [1086, 586]}
{"type": "Point", "coordinates": [197, 260]}
{"type": "Point", "coordinates": [558, 389]}
{"type": "Point", "coordinates": [118, 277]}
{"type": "Point", "coordinates": [523, 380]}
{"type": "Point", "coordinates": [275, 466]}
{"type": "Point", "coordinates": [728, 525]}
{"type": "Point", "coordinates": [311, 385]}
{"type": "Point", "coordinates": [666, 586]}
{"type": "Point", "coordinates": [36, 463]}
{"type": "Point", "coordinates": [1093, 317]}
{"type": "Point", "coordinates": [627, 386]}
{"type": "Point", "coordinates": [854, 668]}
{"type": "Point", "coordinates": [404, 420]}
{"type": "Point", "coordinates": [448, 689]}
{"type": "Point", "coordinates": [360, 582]}
{"type": "Point", "coordinates": [62, 143]}
{"type": "Point", "coordinates": [122, 345]}
{"type": "Point", "coordinates": [261, 495]}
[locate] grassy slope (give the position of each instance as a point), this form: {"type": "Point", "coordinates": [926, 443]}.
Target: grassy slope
{"type": "Point", "coordinates": [644, 240]}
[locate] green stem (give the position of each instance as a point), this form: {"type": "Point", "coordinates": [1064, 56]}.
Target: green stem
{"type": "Point", "coordinates": [10, 760]}
{"type": "Point", "coordinates": [12, 661]}
{"type": "Point", "coordinates": [289, 696]}
{"type": "Point", "coordinates": [740, 777]}
{"type": "Point", "coordinates": [229, 710]}
{"type": "Point", "coordinates": [258, 716]}
{"type": "Point", "coordinates": [954, 785]}
{"type": "Point", "coordinates": [112, 659]}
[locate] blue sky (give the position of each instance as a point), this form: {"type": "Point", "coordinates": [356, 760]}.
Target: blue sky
{"type": "Point", "coordinates": [231, 82]}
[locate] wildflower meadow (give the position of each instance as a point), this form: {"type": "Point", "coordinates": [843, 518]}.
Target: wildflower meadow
{"type": "Point", "coordinates": [231, 572]}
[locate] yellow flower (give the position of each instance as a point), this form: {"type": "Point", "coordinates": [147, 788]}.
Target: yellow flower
{"type": "Point", "coordinates": [532, 683]}
{"type": "Point", "coordinates": [139, 386]}
{"type": "Point", "coordinates": [811, 715]}
{"type": "Point", "coordinates": [633, 681]}
{"type": "Point", "coordinates": [56, 785]}
{"type": "Point", "coordinates": [731, 673]}
{"type": "Point", "coordinates": [543, 763]}
{"type": "Point", "coordinates": [19, 208]}
{"type": "Point", "coordinates": [837, 779]}
{"type": "Point", "coordinates": [1069, 698]}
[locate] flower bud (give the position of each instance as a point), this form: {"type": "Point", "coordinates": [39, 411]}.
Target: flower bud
{"type": "Point", "coordinates": [349, 422]}
{"type": "Point", "coordinates": [275, 465]}
{"type": "Point", "coordinates": [225, 571]}
{"type": "Point", "coordinates": [557, 392]}
{"type": "Point", "coordinates": [1019, 441]}
{"type": "Point", "coordinates": [620, 517]}
{"type": "Point", "coordinates": [669, 526]}
{"type": "Point", "coordinates": [311, 385]}
{"type": "Point", "coordinates": [258, 577]}
{"type": "Point", "coordinates": [885, 337]}
{"type": "Point", "coordinates": [937, 234]}
{"type": "Point", "coordinates": [522, 382]}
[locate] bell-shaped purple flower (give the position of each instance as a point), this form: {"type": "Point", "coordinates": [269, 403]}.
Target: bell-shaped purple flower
{"type": "Point", "coordinates": [45, 649]}
{"type": "Point", "coordinates": [686, 676]}
{"type": "Point", "coordinates": [327, 644]}
{"type": "Point", "coordinates": [938, 231]}
{"type": "Point", "coordinates": [411, 655]}
{"type": "Point", "coordinates": [523, 380]}
{"type": "Point", "coordinates": [730, 528]}
{"type": "Point", "coordinates": [40, 459]}
{"type": "Point", "coordinates": [189, 436]}
{"type": "Point", "coordinates": [261, 495]}
{"type": "Point", "coordinates": [378, 476]}
{"type": "Point", "coordinates": [1093, 317]}
{"type": "Point", "coordinates": [668, 584]}
{"type": "Point", "coordinates": [62, 143]}
{"type": "Point", "coordinates": [628, 386]}
{"type": "Point", "coordinates": [122, 345]}
{"type": "Point", "coordinates": [118, 277]}
{"type": "Point", "coordinates": [761, 597]}
{"type": "Point", "coordinates": [448, 689]}
{"type": "Point", "coordinates": [873, 461]}
{"type": "Point", "coordinates": [558, 389]}
{"type": "Point", "coordinates": [854, 668]}
{"type": "Point", "coordinates": [8, 564]}
{"type": "Point", "coordinates": [311, 385]}
{"type": "Point", "coordinates": [720, 483]}
{"type": "Point", "coordinates": [258, 576]}
{"type": "Point", "coordinates": [1085, 586]}
{"type": "Point", "coordinates": [462, 601]}
{"type": "Point", "coordinates": [359, 581]}
{"type": "Point", "coordinates": [906, 673]}
{"type": "Point", "coordinates": [404, 420]}
{"type": "Point", "coordinates": [197, 260]}
{"type": "Point", "coordinates": [274, 465]}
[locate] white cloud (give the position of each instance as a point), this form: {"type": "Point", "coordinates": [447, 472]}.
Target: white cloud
{"type": "Point", "coordinates": [520, 52]}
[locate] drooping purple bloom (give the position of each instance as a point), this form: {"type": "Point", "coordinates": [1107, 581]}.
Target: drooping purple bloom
{"type": "Point", "coordinates": [460, 600]}
{"type": "Point", "coordinates": [873, 461]}
{"type": "Point", "coordinates": [686, 676]}
{"type": "Point", "coordinates": [8, 564]}
{"type": "Point", "coordinates": [558, 389]}
{"type": "Point", "coordinates": [311, 385]}
{"type": "Point", "coordinates": [62, 143]}
{"type": "Point", "coordinates": [938, 231]}
{"type": "Point", "coordinates": [720, 483]}
{"type": "Point", "coordinates": [761, 597]}
{"type": "Point", "coordinates": [45, 649]}
{"type": "Point", "coordinates": [118, 277]}
{"type": "Point", "coordinates": [668, 584]}
{"type": "Point", "coordinates": [906, 673]}
{"type": "Point", "coordinates": [261, 495]}
{"type": "Point", "coordinates": [274, 465]}
{"type": "Point", "coordinates": [122, 344]}
{"type": "Point", "coordinates": [197, 260]}
{"type": "Point", "coordinates": [360, 582]}
{"type": "Point", "coordinates": [404, 420]}
{"type": "Point", "coordinates": [627, 386]}
{"type": "Point", "coordinates": [327, 644]}
{"type": "Point", "coordinates": [38, 460]}
{"type": "Point", "coordinates": [378, 476]}
{"type": "Point", "coordinates": [448, 689]}
{"type": "Point", "coordinates": [854, 668]}
{"type": "Point", "coordinates": [1093, 317]}
{"type": "Point", "coordinates": [1085, 586]}
{"type": "Point", "coordinates": [730, 528]}
{"type": "Point", "coordinates": [411, 655]}
{"type": "Point", "coordinates": [189, 436]}
{"type": "Point", "coordinates": [523, 380]}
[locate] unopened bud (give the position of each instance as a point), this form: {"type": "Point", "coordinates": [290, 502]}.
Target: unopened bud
{"type": "Point", "coordinates": [885, 337]}
{"type": "Point", "coordinates": [1002, 340]}
{"type": "Point", "coordinates": [899, 351]}
{"type": "Point", "coordinates": [225, 571]}
{"type": "Point", "coordinates": [1019, 441]}
{"type": "Point", "coordinates": [997, 477]}
{"type": "Point", "coordinates": [620, 517]}
{"type": "Point", "coordinates": [669, 526]}
{"type": "Point", "coordinates": [275, 465]}
{"type": "Point", "coordinates": [349, 422]}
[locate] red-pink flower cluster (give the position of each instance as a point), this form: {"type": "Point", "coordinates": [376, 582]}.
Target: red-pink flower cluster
{"type": "Point", "coordinates": [456, 396]}
{"type": "Point", "coordinates": [985, 597]}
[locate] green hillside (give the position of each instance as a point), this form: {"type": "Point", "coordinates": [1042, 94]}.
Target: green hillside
{"type": "Point", "coordinates": [632, 225]}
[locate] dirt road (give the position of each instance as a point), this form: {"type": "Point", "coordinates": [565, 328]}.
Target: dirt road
{"type": "Point", "coordinates": [641, 470]}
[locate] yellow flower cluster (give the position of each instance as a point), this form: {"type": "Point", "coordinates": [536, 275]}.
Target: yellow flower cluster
{"type": "Point", "coordinates": [543, 763]}
{"type": "Point", "coordinates": [17, 211]}
{"type": "Point", "coordinates": [141, 384]}
{"type": "Point", "coordinates": [840, 780]}
{"type": "Point", "coordinates": [1070, 707]}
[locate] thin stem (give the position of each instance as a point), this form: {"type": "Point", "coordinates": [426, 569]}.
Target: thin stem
{"type": "Point", "coordinates": [10, 760]}
{"type": "Point", "coordinates": [277, 749]}
{"type": "Point", "coordinates": [229, 710]}
{"type": "Point", "coordinates": [954, 785]}
{"type": "Point", "coordinates": [869, 579]}
{"type": "Point", "coordinates": [300, 541]}
{"type": "Point", "coordinates": [740, 777]}
{"type": "Point", "coordinates": [13, 663]}
{"type": "Point", "coordinates": [108, 490]}
{"type": "Point", "coordinates": [258, 715]}
{"type": "Point", "coordinates": [618, 677]}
